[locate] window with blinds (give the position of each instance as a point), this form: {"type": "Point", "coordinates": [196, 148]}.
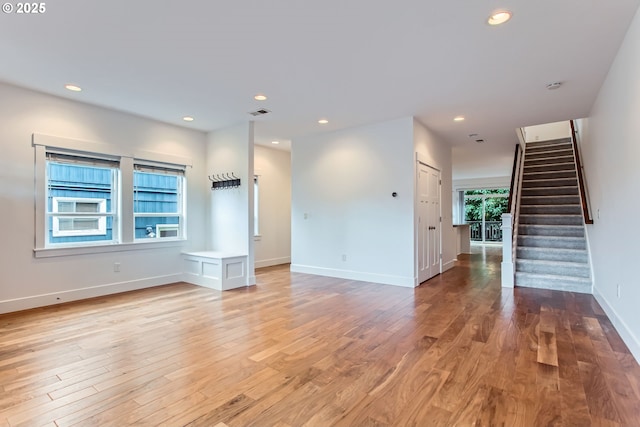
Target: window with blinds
{"type": "Point", "coordinates": [82, 195]}
{"type": "Point", "coordinates": [158, 201]}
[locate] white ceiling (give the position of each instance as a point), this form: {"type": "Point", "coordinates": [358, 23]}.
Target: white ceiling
{"type": "Point", "coordinates": [351, 61]}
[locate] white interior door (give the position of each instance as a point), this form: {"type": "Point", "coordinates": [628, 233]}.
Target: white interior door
{"type": "Point", "coordinates": [428, 222]}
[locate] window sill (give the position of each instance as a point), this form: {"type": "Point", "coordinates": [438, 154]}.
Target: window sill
{"type": "Point", "coordinates": [97, 249]}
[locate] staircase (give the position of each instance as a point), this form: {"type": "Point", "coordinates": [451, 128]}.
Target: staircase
{"type": "Point", "coordinates": [551, 248]}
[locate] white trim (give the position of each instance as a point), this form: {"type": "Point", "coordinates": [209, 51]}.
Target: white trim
{"type": "Point", "coordinates": [91, 147]}
{"type": "Point", "coordinates": [78, 145]}
{"type": "Point", "coordinates": [481, 183]}
{"type": "Point", "coordinates": [449, 264]}
{"type": "Point", "coordinates": [43, 300]}
{"type": "Point", "coordinates": [40, 195]}
{"type": "Point", "coordinates": [406, 282]}
{"type": "Point", "coordinates": [626, 333]}
{"type": "Point", "coordinates": [93, 248]}
{"type": "Point", "coordinates": [273, 261]}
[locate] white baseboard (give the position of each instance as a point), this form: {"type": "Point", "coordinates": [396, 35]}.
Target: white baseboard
{"type": "Point", "coordinates": [449, 265]}
{"type": "Point", "coordinates": [8, 306]}
{"type": "Point", "coordinates": [621, 326]}
{"type": "Point", "coordinates": [272, 261]}
{"type": "Point", "coordinates": [406, 282]}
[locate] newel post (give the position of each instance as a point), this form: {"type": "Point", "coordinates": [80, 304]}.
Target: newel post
{"type": "Point", "coordinates": [507, 251]}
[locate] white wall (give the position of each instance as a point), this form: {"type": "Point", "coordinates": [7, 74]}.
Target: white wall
{"type": "Point", "coordinates": [28, 282]}
{"type": "Point", "coordinates": [610, 151]}
{"type": "Point", "coordinates": [342, 183]}
{"type": "Point", "coordinates": [436, 153]}
{"type": "Point", "coordinates": [547, 132]}
{"type": "Point", "coordinates": [482, 183]}
{"type": "Point", "coordinates": [273, 168]}
{"type": "Point", "coordinates": [230, 151]}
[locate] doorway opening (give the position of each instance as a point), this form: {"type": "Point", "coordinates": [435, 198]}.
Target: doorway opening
{"type": "Point", "coordinates": [483, 211]}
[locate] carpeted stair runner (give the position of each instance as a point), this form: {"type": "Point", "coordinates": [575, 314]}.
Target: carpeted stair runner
{"type": "Point", "coordinates": [551, 250]}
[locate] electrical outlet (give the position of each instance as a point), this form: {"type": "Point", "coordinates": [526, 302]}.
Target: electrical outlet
{"type": "Point", "coordinates": [116, 267]}
{"type": "Point", "coordinates": [344, 257]}
{"type": "Point", "coordinates": [618, 290]}
{"type": "Point", "coordinates": [306, 216]}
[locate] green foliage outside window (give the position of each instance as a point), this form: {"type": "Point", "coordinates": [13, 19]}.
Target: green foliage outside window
{"type": "Point", "coordinates": [494, 206]}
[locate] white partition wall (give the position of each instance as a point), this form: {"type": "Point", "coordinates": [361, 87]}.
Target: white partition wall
{"type": "Point", "coordinates": [345, 221]}
{"type": "Point", "coordinates": [230, 151]}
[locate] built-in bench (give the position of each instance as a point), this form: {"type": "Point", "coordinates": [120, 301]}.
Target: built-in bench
{"type": "Point", "coordinates": [214, 269]}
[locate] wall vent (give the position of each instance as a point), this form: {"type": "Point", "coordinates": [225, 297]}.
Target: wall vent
{"type": "Point", "coordinates": [259, 112]}
{"type": "Point", "coordinates": [479, 141]}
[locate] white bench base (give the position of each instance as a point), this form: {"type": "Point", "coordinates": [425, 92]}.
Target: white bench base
{"type": "Point", "coordinates": [216, 270]}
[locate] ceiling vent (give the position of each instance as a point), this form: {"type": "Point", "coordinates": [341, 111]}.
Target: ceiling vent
{"type": "Point", "coordinates": [259, 112]}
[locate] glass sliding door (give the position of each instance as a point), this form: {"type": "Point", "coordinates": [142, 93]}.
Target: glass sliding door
{"type": "Point", "coordinates": [473, 215]}
{"type": "Point", "coordinates": [483, 211]}
{"type": "Point", "coordinates": [494, 207]}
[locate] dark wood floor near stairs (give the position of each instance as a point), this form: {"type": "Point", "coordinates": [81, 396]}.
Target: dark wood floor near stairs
{"type": "Point", "coordinates": [300, 350]}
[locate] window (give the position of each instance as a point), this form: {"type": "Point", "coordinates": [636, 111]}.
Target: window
{"type": "Point", "coordinates": [256, 207]}
{"type": "Point", "coordinates": [93, 197]}
{"type": "Point", "coordinates": [157, 201]}
{"type": "Point", "coordinates": [483, 211]}
{"type": "Point", "coordinates": [81, 199]}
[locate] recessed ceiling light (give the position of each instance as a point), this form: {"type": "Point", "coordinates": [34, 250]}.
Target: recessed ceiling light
{"type": "Point", "coordinates": [260, 97]}
{"type": "Point", "coordinates": [73, 88]}
{"type": "Point", "coordinates": [323, 121]}
{"type": "Point", "coordinates": [275, 142]}
{"type": "Point", "coordinates": [499, 17]}
{"type": "Point", "coordinates": [187, 118]}
{"type": "Point", "coordinates": [458, 119]}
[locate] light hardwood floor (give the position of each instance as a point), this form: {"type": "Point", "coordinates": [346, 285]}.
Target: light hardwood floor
{"type": "Point", "coordinates": [301, 350]}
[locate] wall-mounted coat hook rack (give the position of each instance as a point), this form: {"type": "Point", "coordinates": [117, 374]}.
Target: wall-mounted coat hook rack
{"type": "Point", "coordinates": [224, 181]}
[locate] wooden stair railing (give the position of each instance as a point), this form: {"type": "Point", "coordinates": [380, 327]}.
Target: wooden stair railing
{"type": "Point", "coordinates": [510, 220]}
{"type": "Point", "coordinates": [583, 195]}
{"type": "Point", "coordinates": [513, 176]}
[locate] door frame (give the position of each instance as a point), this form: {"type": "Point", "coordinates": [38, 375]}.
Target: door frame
{"type": "Point", "coordinates": [421, 159]}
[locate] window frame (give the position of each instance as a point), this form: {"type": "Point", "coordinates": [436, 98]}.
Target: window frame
{"type": "Point", "coordinates": [143, 166]}
{"type": "Point", "coordinates": [482, 194]}
{"type": "Point", "coordinates": [90, 160]}
{"type": "Point", "coordinates": [123, 210]}
{"type": "Point", "coordinates": [256, 206]}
